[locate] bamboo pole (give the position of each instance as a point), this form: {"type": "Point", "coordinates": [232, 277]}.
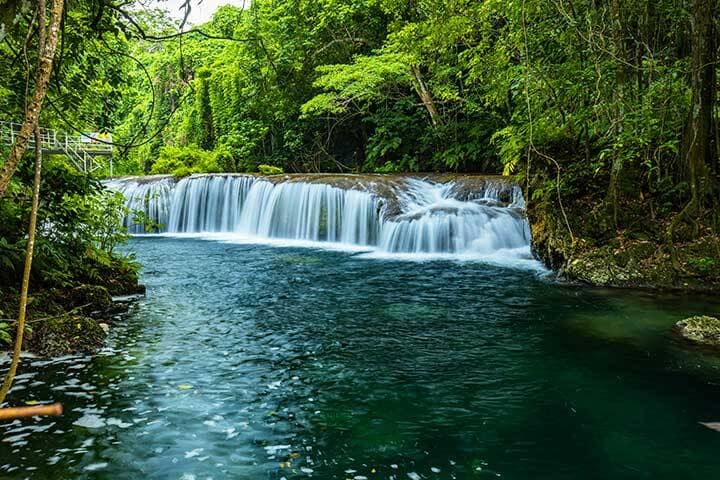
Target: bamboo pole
{"type": "Point", "coordinates": [26, 273]}
{"type": "Point", "coordinates": [52, 410]}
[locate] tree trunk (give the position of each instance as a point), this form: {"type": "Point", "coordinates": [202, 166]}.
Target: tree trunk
{"type": "Point", "coordinates": [699, 138]}
{"type": "Point", "coordinates": [425, 95]}
{"type": "Point", "coordinates": [26, 272]}
{"type": "Point", "coordinates": [32, 113]}
{"type": "Point", "coordinates": [619, 51]}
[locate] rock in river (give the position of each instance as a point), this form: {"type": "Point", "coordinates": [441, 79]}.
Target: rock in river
{"type": "Point", "coordinates": [701, 329]}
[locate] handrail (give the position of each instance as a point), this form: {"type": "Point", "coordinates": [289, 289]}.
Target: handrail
{"type": "Point", "coordinates": [80, 149]}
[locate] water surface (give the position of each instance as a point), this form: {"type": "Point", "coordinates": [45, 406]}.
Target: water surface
{"type": "Point", "coordinates": [256, 362]}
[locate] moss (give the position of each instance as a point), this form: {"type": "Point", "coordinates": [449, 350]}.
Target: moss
{"type": "Point", "coordinates": [638, 258]}
{"type": "Point", "coordinates": [64, 335]}
{"type": "Point", "coordinates": [89, 298]}
{"type": "Point", "coordinates": [700, 329]}
{"type": "Point", "coordinates": [270, 170]}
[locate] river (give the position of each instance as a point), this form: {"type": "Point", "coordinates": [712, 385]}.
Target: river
{"type": "Point", "coordinates": [255, 361]}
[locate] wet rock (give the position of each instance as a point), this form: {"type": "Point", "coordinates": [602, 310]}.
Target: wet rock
{"type": "Point", "coordinates": [700, 329]}
{"type": "Point", "coordinates": [129, 298]}
{"type": "Point", "coordinates": [65, 335]}
{"type": "Point", "coordinates": [90, 298]}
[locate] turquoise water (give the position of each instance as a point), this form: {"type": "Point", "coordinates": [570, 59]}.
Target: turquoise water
{"type": "Point", "coordinates": [258, 362]}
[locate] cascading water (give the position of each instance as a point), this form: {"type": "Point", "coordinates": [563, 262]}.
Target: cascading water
{"type": "Point", "coordinates": [434, 220]}
{"type": "Point", "coordinates": [411, 216]}
{"type": "Point", "coordinates": [315, 212]}
{"type": "Point", "coordinates": [150, 196]}
{"type": "Point", "coordinates": [208, 203]}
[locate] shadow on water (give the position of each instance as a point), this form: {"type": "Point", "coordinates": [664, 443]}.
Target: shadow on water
{"type": "Point", "coordinates": [246, 361]}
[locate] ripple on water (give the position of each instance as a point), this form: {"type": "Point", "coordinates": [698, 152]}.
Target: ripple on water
{"type": "Point", "coordinates": [245, 361]}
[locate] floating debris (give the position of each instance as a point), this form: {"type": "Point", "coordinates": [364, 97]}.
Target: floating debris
{"type": "Point", "coordinates": [95, 466]}
{"type": "Point", "coordinates": [273, 449]}
{"type": "Point", "coordinates": [711, 425]}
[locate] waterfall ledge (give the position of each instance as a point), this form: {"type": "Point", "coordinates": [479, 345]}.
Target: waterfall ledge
{"type": "Point", "coordinates": [457, 216]}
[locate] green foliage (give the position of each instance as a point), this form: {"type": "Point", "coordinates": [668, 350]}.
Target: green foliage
{"type": "Point", "coordinates": [269, 170]}
{"type": "Point", "coordinates": [79, 228]}
{"type": "Point", "coordinates": [99, 218]}
{"type": "Point", "coordinates": [6, 337]}
{"type": "Point", "coordinates": [139, 217]}
{"type": "Point", "coordinates": [597, 90]}
{"type": "Point", "coordinates": [388, 167]}
{"type": "Point", "coordinates": [11, 256]}
{"type": "Point", "coordinates": [183, 161]}
{"type": "Point", "coordinates": [359, 84]}
{"type": "Point", "coordinates": [703, 265]}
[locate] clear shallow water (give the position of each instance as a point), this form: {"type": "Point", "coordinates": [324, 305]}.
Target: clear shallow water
{"type": "Point", "coordinates": [255, 362]}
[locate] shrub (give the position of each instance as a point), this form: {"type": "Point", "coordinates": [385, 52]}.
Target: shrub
{"type": "Point", "coordinates": [270, 170]}
{"type": "Point", "coordinates": [703, 265]}
{"type": "Point", "coordinates": [181, 161]}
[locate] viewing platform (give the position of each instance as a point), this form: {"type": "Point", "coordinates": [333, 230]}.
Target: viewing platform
{"type": "Point", "coordinates": [83, 150]}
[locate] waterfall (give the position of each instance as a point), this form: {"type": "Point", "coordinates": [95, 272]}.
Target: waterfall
{"type": "Point", "coordinates": [435, 221]}
{"type": "Point", "coordinates": [305, 211]}
{"type": "Point", "coordinates": [149, 196]}
{"type": "Point", "coordinates": [208, 203]}
{"type": "Point", "coordinates": [397, 216]}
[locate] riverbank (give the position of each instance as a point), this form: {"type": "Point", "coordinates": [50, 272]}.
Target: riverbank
{"type": "Point", "coordinates": [72, 319]}
{"type": "Point", "coordinates": [580, 247]}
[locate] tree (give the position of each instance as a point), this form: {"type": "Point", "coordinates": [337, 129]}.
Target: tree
{"type": "Point", "coordinates": [699, 149]}
{"type": "Point", "coordinates": [51, 34]}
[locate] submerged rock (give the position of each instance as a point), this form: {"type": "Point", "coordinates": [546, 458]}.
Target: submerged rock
{"type": "Point", "coordinates": [700, 329]}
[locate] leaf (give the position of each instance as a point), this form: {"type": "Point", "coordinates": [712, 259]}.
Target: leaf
{"type": "Point", "coordinates": [185, 386]}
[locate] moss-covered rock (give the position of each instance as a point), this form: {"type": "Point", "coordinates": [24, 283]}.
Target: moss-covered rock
{"type": "Point", "coordinates": [700, 329]}
{"type": "Point", "coordinates": [65, 335]}
{"type": "Point", "coordinates": [62, 321]}
{"type": "Point", "coordinates": [90, 298]}
{"type": "Point", "coordinates": [635, 264]}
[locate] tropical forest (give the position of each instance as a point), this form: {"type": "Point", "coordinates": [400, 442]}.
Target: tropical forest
{"type": "Point", "coordinates": [359, 239]}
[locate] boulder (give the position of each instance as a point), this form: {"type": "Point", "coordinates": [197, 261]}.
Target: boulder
{"type": "Point", "coordinates": [700, 329]}
{"type": "Point", "coordinates": [66, 334]}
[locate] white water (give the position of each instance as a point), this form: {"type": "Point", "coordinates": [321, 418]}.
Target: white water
{"type": "Point", "coordinates": [150, 197]}
{"type": "Point", "coordinates": [423, 219]}
{"type": "Point", "coordinates": [435, 221]}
